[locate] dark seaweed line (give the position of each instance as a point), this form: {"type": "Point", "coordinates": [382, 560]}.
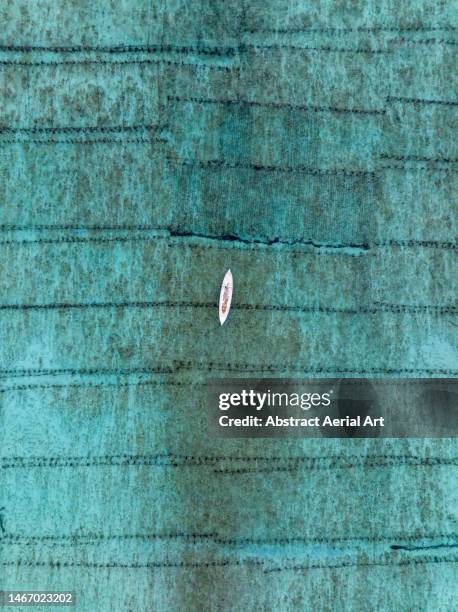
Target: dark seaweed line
{"type": "Point", "coordinates": [419, 158]}
{"type": "Point", "coordinates": [380, 111]}
{"type": "Point", "coordinates": [177, 366]}
{"type": "Point", "coordinates": [226, 471]}
{"type": "Point", "coordinates": [173, 383]}
{"type": "Point", "coordinates": [101, 538]}
{"type": "Point", "coordinates": [199, 50]}
{"type": "Point", "coordinates": [348, 29]}
{"type": "Point", "coordinates": [109, 305]}
{"type": "Point", "coordinates": [121, 62]}
{"type": "Point", "coordinates": [226, 563]}
{"type": "Point", "coordinates": [421, 101]}
{"type": "Point", "coordinates": [149, 564]}
{"type": "Point", "coordinates": [85, 142]}
{"type": "Point", "coordinates": [211, 459]}
{"type": "Point", "coordinates": [80, 129]}
{"type": "Point", "coordinates": [225, 165]}
{"type": "Point", "coordinates": [293, 464]}
{"type": "Point", "coordinates": [313, 108]}
{"type": "Point", "coordinates": [405, 168]}
{"type": "Point", "coordinates": [330, 49]}
{"type": "Point", "coordinates": [202, 50]}
{"type": "Point", "coordinates": [326, 49]}
{"type": "Point", "coordinates": [320, 249]}
{"type": "Point", "coordinates": [365, 50]}
{"type": "Point", "coordinates": [285, 105]}
{"type": "Point", "coordinates": [369, 310]}
{"type": "Point", "coordinates": [417, 243]}
{"type": "Point", "coordinates": [174, 232]}
{"type": "Point", "coordinates": [340, 466]}
{"type": "Point", "coordinates": [426, 41]}
{"type": "Point", "coordinates": [139, 383]}
{"type": "Point", "coordinates": [345, 564]}
{"type": "Point", "coordinates": [87, 371]}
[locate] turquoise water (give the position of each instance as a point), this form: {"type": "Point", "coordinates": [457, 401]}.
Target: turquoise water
{"type": "Point", "coordinates": [145, 150]}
